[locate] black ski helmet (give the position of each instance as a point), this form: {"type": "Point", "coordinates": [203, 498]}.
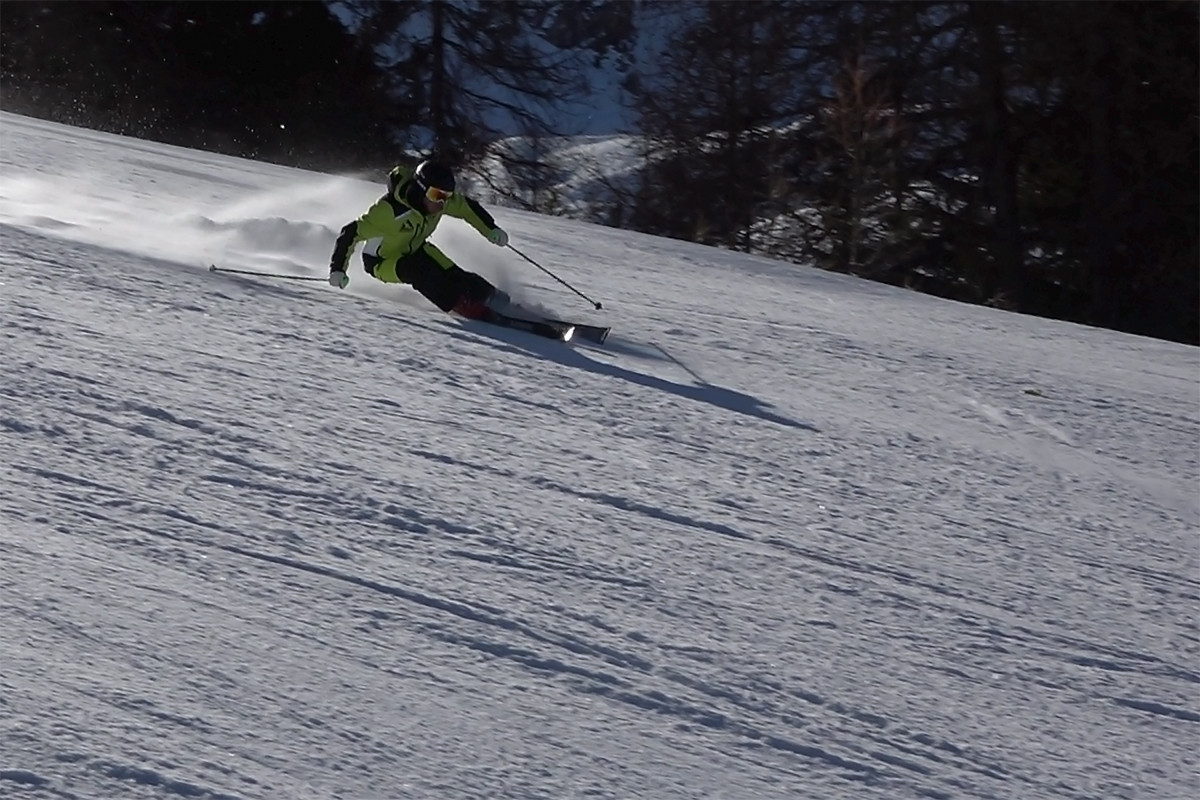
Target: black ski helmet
{"type": "Point", "coordinates": [431, 173]}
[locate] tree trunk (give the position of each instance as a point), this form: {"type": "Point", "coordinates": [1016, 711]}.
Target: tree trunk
{"type": "Point", "coordinates": [999, 169]}
{"type": "Point", "coordinates": [437, 97]}
{"type": "Point", "coordinates": [1099, 223]}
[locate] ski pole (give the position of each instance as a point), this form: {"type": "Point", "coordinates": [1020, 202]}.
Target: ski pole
{"type": "Point", "coordinates": [215, 268]}
{"type": "Point", "coordinates": [552, 275]}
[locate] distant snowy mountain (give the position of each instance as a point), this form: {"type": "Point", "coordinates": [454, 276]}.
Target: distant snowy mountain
{"type": "Point", "coordinates": [789, 534]}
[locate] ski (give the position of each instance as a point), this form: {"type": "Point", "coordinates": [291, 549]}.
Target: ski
{"type": "Point", "coordinates": [592, 333]}
{"type": "Point", "coordinates": [562, 331]}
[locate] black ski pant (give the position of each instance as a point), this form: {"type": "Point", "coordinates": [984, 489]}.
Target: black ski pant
{"type": "Point", "coordinates": [442, 285]}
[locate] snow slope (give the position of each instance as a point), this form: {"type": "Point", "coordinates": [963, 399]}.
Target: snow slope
{"type": "Point", "coordinates": [790, 535]}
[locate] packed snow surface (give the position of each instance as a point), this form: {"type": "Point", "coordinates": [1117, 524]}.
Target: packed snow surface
{"type": "Point", "coordinates": [787, 535]}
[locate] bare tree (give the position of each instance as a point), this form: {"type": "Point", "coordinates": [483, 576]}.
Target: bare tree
{"type": "Point", "coordinates": [709, 108]}
{"type": "Point", "coordinates": [469, 73]}
{"type": "Point", "coordinates": [862, 131]}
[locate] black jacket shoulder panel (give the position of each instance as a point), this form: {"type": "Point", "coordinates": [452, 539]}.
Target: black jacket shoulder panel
{"type": "Point", "coordinates": [398, 208]}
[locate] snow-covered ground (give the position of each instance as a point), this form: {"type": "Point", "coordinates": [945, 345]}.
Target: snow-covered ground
{"type": "Point", "coordinates": [789, 535]}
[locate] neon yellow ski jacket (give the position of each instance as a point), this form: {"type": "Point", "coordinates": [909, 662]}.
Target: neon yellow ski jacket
{"type": "Point", "coordinates": [397, 226]}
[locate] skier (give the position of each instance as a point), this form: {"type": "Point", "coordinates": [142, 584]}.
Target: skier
{"type": "Point", "coordinates": [396, 230]}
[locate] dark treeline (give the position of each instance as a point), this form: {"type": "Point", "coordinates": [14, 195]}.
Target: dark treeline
{"type": "Point", "coordinates": [282, 82]}
{"type": "Point", "coordinates": [289, 82]}
{"type": "Point", "coordinates": [1039, 157]}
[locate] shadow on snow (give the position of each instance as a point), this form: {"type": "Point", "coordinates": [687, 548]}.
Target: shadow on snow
{"type": "Point", "coordinates": [701, 391]}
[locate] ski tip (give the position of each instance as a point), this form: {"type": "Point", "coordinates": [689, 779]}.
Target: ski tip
{"type": "Point", "coordinates": [569, 333]}
{"type": "Point", "coordinates": [212, 267]}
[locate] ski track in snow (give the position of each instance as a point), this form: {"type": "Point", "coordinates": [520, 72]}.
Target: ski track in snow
{"type": "Point", "coordinates": [264, 539]}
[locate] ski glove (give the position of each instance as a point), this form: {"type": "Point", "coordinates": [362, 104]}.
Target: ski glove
{"type": "Point", "coordinates": [498, 237]}
{"type": "Point", "coordinates": [339, 279]}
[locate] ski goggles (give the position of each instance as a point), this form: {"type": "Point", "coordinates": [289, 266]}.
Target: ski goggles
{"type": "Point", "coordinates": [436, 195]}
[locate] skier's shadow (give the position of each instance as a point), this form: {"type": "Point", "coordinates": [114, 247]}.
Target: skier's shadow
{"type": "Point", "coordinates": [577, 356]}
